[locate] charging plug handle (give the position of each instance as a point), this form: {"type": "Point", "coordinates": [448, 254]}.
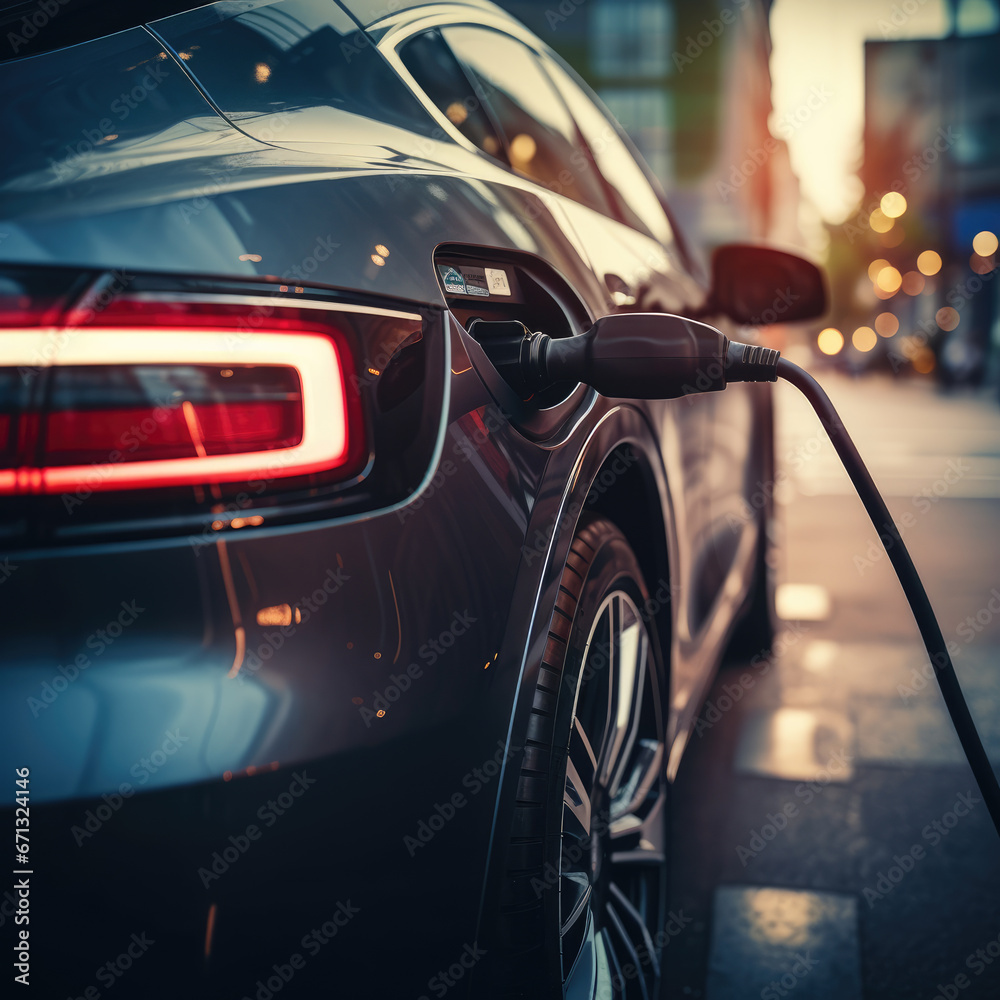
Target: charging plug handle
{"type": "Point", "coordinates": [646, 356]}
{"type": "Point", "coordinates": [627, 355]}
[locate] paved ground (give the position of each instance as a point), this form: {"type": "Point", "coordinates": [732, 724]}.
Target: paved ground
{"type": "Point", "coordinates": [829, 839]}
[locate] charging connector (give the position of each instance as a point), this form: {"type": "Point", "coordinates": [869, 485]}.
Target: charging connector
{"type": "Point", "coordinates": [635, 355]}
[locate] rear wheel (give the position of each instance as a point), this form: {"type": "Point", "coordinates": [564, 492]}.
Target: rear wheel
{"type": "Point", "coordinates": [586, 869]}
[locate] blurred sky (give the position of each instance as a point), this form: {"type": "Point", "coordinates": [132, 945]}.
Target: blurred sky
{"type": "Point", "coordinates": [817, 69]}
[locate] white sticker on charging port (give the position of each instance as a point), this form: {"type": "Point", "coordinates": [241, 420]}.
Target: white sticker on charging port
{"type": "Point", "coordinates": [496, 281]}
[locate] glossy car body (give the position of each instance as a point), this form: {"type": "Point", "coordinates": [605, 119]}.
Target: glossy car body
{"type": "Point", "coordinates": [343, 670]}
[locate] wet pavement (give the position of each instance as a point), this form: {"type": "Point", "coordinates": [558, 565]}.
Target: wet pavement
{"type": "Point", "coordinates": [829, 840]}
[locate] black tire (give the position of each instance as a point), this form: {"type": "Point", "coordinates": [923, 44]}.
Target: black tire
{"type": "Point", "coordinates": [585, 878]}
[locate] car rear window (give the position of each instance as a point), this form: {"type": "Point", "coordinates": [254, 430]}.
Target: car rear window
{"type": "Point", "coordinates": [69, 114]}
{"type": "Point", "coordinates": [262, 58]}
{"type": "Point", "coordinates": [33, 26]}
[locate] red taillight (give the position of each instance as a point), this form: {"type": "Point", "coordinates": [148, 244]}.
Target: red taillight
{"type": "Point", "coordinates": [131, 407]}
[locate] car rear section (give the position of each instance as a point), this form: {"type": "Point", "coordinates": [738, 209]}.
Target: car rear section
{"type": "Point", "coordinates": [247, 672]}
{"type": "Point", "coordinates": [278, 546]}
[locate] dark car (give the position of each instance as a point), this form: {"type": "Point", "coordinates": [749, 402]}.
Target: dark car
{"type": "Point", "coordinates": [335, 663]}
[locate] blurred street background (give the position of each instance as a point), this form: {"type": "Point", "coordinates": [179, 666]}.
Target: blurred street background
{"type": "Point", "coordinates": [828, 838]}
{"type": "Point", "coordinates": [845, 735]}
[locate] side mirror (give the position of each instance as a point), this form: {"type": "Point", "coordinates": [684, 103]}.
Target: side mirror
{"type": "Point", "coordinates": [758, 285]}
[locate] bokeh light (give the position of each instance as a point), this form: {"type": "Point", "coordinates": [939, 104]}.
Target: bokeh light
{"type": "Point", "coordinates": [830, 341]}
{"type": "Point", "coordinates": [985, 243]}
{"type": "Point", "coordinates": [886, 324]}
{"type": "Point", "coordinates": [946, 318]}
{"type": "Point", "coordinates": [875, 266]}
{"type": "Point", "coordinates": [923, 361]}
{"type": "Point", "coordinates": [982, 265]}
{"type": "Point", "coordinates": [456, 112]}
{"type": "Point", "coordinates": [864, 339]}
{"type": "Point", "coordinates": [889, 280]}
{"type": "Point", "coordinates": [929, 262]}
{"type": "Point", "coordinates": [879, 221]}
{"type": "Point", "coordinates": [913, 282]}
{"type": "Point", "coordinates": [893, 205]}
{"type": "Point", "coordinates": [522, 149]}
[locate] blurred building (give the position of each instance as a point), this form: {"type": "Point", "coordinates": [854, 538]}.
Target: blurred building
{"type": "Point", "coordinates": [690, 82]}
{"type": "Point", "coordinates": [932, 135]}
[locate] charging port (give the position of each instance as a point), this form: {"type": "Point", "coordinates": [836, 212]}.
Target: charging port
{"type": "Point", "coordinates": [509, 345]}
{"type": "Point", "coordinates": [499, 298]}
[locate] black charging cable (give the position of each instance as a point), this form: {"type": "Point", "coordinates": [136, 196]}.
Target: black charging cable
{"type": "Point", "coordinates": [913, 588]}
{"type": "Point", "coordinates": [660, 356]}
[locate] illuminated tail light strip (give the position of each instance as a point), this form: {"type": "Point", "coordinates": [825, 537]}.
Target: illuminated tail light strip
{"type": "Point", "coordinates": [292, 420]}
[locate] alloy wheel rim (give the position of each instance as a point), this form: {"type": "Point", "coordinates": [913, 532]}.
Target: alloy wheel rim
{"type": "Point", "coordinates": [612, 843]}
